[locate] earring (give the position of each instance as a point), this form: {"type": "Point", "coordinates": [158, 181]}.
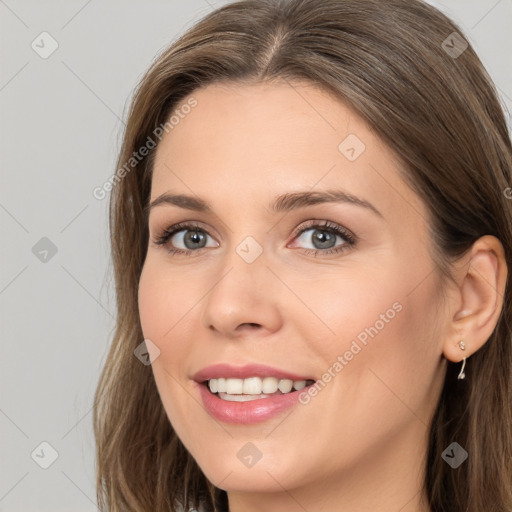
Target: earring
{"type": "Point", "coordinates": [462, 375]}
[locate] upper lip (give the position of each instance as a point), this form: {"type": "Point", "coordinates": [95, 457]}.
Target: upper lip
{"type": "Point", "coordinates": [225, 370]}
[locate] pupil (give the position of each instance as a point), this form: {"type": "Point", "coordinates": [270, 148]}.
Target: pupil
{"type": "Point", "coordinates": [194, 237]}
{"type": "Point", "coordinates": [325, 239]}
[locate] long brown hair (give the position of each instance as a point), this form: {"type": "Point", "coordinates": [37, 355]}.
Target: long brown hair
{"type": "Point", "coordinates": [438, 109]}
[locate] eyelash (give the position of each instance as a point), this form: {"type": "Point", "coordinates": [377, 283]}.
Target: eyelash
{"type": "Point", "coordinates": [349, 239]}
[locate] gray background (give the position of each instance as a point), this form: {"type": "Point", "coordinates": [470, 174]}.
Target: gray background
{"type": "Point", "coordinates": [61, 123]}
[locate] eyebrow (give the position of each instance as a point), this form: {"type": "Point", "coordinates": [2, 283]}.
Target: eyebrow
{"type": "Point", "coordinates": [282, 203]}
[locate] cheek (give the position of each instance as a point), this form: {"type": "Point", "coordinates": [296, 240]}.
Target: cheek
{"type": "Point", "coordinates": [347, 309]}
{"type": "Point", "coordinates": [164, 303]}
{"type": "Point", "coordinates": [379, 366]}
{"type": "Point", "coordinates": [165, 299]}
{"type": "Point", "coordinates": [381, 339]}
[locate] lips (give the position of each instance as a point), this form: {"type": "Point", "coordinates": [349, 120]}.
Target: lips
{"type": "Point", "coordinates": [248, 409]}
{"type": "Point", "coordinates": [224, 370]}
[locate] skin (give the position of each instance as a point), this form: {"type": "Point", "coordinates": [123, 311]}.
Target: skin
{"type": "Point", "coordinates": [360, 444]}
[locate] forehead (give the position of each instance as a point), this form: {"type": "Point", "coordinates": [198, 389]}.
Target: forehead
{"type": "Point", "coordinates": [264, 139]}
{"type": "Point", "coordinates": [282, 118]}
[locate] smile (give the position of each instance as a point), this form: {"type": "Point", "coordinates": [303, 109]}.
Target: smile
{"type": "Point", "coordinates": [253, 388]}
{"type": "Point", "coordinates": [248, 394]}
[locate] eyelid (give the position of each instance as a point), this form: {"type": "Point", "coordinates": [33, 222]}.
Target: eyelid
{"type": "Point", "coordinates": [327, 225]}
{"type": "Point", "coordinates": [165, 234]}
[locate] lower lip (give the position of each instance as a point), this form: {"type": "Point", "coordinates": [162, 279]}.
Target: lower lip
{"type": "Point", "coordinates": [245, 413]}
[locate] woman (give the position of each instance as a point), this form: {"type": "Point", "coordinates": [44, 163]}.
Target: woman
{"type": "Point", "coordinates": [311, 230]}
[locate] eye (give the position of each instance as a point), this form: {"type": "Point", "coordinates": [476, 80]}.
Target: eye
{"type": "Point", "coordinates": [325, 238]}
{"type": "Point", "coordinates": [184, 238]}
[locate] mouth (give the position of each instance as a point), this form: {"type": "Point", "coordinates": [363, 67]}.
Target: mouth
{"type": "Point", "coordinates": [250, 393]}
{"type": "Point", "coordinates": [253, 388]}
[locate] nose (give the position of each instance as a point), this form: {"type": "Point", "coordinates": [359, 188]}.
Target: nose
{"type": "Point", "coordinates": [244, 300]}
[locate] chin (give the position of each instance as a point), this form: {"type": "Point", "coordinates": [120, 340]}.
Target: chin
{"type": "Point", "coordinates": [261, 480]}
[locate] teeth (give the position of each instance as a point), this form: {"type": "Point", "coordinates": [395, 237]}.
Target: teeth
{"type": "Point", "coordinates": [234, 386]}
{"type": "Point", "coordinates": [221, 385]}
{"type": "Point", "coordinates": [269, 385]}
{"type": "Point", "coordinates": [240, 398]}
{"type": "Point", "coordinates": [299, 384]}
{"type": "Point", "coordinates": [242, 390]}
{"type": "Point", "coordinates": [252, 386]}
{"type": "Point", "coordinates": [285, 385]}
{"type": "Point", "coordinates": [214, 385]}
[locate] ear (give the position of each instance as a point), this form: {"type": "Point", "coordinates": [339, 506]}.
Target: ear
{"type": "Point", "coordinates": [478, 299]}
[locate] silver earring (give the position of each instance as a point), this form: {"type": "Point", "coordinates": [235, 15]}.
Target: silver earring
{"type": "Point", "coordinates": [462, 375]}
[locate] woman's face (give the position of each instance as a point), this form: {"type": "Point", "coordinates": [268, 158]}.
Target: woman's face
{"type": "Point", "coordinates": [268, 281]}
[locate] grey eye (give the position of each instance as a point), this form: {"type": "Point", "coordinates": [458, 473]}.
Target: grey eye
{"type": "Point", "coordinates": [190, 239]}
{"type": "Point", "coordinates": [320, 238]}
